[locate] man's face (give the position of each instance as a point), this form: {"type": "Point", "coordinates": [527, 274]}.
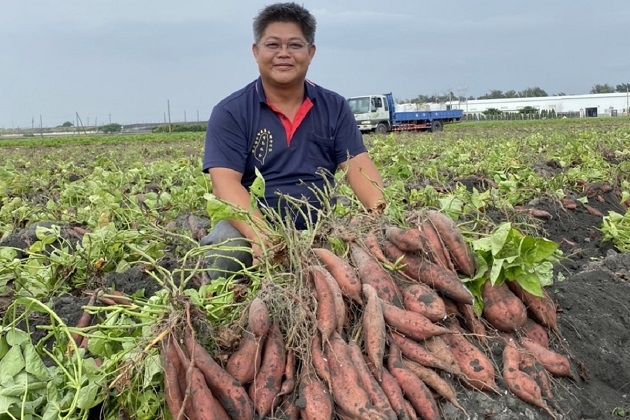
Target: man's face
{"type": "Point", "coordinates": [282, 54]}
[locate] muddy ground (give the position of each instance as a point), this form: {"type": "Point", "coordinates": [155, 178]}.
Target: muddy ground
{"type": "Point", "coordinates": [593, 305]}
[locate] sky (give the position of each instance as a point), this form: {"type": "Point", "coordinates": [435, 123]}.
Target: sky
{"type": "Point", "coordinates": [133, 61]}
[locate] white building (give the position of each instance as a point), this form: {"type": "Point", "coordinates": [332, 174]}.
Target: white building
{"type": "Point", "coordinates": [593, 105]}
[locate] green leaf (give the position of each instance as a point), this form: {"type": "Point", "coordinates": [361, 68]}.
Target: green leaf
{"type": "Point", "coordinates": [6, 403]}
{"type": "Point", "coordinates": [34, 364]}
{"type": "Point", "coordinates": [530, 283]}
{"type": "Point", "coordinates": [12, 363]}
{"type": "Point", "coordinates": [87, 396]}
{"type": "Point", "coordinates": [16, 337]}
{"type": "Point", "coordinates": [534, 250]}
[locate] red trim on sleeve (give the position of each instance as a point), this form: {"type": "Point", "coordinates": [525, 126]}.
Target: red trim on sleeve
{"type": "Point", "coordinates": [291, 126]}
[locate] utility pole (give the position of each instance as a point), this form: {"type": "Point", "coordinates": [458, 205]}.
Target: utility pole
{"type": "Point", "coordinates": [168, 109]}
{"type": "Point", "coordinates": [184, 116]}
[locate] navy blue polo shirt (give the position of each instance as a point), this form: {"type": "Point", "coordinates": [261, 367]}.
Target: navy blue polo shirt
{"type": "Point", "coordinates": [244, 133]}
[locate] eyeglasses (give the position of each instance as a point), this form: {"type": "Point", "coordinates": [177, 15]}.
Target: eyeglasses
{"type": "Point", "coordinates": [292, 46]}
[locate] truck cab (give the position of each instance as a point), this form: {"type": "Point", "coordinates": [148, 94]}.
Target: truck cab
{"type": "Point", "coordinates": [373, 112]}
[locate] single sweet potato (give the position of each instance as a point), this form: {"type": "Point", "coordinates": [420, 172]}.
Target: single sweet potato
{"type": "Point", "coordinates": [268, 381]}
{"type": "Point", "coordinates": [342, 272]}
{"type": "Point", "coordinates": [477, 369]}
{"type": "Point", "coordinates": [374, 328]}
{"type": "Point", "coordinates": [410, 323]}
{"type": "Point", "coordinates": [554, 362]}
{"type": "Point", "coordinates": [501, 308]}
{"type": "Point", "coordinates": [423, 299]}
{"type": "Point", "coordinates": [372, 272]}
{"type": "Point", "coordinates": [458, 249]}
{"type": "Point", "coordinates": [244, 362]}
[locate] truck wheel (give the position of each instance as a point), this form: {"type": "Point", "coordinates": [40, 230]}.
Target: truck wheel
{"type": "Point", "coordinates": [381, 128]}
{"type": "Point", "coordinates": [436, 126]}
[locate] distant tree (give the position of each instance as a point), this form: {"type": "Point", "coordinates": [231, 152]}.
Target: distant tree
{"type": "Point", "coordinates": [111, 128]}
{"type": "Point", "coordinates": [528, 110]}
{"type": "Point", "coordinates": [421, 99]}
{"type": "Point", "coordinates": [67, 124]}
{"type": "Point", "coordinates": [560, 94]}
{"type": "Point", "coordinates": [511, 94]}
{"type": "Point", "coordinates": [533, 92]}
{"type": "Point", "coordinates": [494, 94]}
{"type": "Point", "coordinates": [492, 111]}
{"type": "Point", "coordinates": [623, 87]}
{"type": "Point", "coordinates": [606, 88]}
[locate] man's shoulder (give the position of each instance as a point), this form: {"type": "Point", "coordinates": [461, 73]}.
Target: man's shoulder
{"type": "Point", "coordinates": [326, 94]}
{"type": "Point", "coordinates": [239, 97]}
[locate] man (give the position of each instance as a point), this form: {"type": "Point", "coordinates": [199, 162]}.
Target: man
{"type": "Point", "coordinates": [291, 130]}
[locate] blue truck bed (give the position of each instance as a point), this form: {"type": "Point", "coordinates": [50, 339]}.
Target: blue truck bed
{"type": "Point", "coordinates": [452, 114]}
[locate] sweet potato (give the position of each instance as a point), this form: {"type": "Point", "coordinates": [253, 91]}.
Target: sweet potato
{"type": "Point", "coordinates": [268, 380]}
{"type": "Point", "coordinates": [374, 328]}
{"type": "Point", "coordinates": [200, 402]}
{"type": "Point", "coordinates": [288, 408]}
{"type": "Point", "coordinates": [342, 272]}
{"type": "Point", "coordinates": [346, 388]}
{"type": "Point", "coordinates": [290, 379]}
{"type": "Point", "coordinates": [415, 390]}
{"type": "Point", "coordinates": [325, 312]}
{"type": "Point", "coordinates": [394, 394]}
{"type": "Point", "coordinates": [458, 249]}
{"type": "Point", "coordinates": [204, 404]}
{"type": "Point", "coordinates": [84, 321]}
{"type": "Point", "coordinates": [414, 351]}
{"type": "Point", "coordinates": [172, 393]}
{"type": "Point", "coordinates": [407, 240]}
{"type": "Point", "coordinates": [244, 362]}
{"type": "Point", "coordinates": [541, 308]}
{"type": "Point", "coordinates": [442, 351]}
{"type": "Point", "coordinates": [477, 369]}
{"type": "Point", "coordinates": [314, 402]}
{"type": "Point", "coordinates": [423, 299]}
{"type": "Point", "coordinates": [319, 361]}
{"type": "Point", "coordinates": [373, 247]}
{"type": "Point", "coordinates": [536, 332]}
{"type": "Point", "coordinates": [258, 322]}
{"type": "Point", "coordinates": [228, 390]}
{"type": "Point", "coordinates": [340, 305]}
{"type": "Point", "coordinates": [501, 308]}
{"type": "Point", "coordinates": [442, 280]}
{"type": "Point", "coordinates": [370, 384]}
{"type": "Point", "coordinates": [471, 320]}
{"type": "Point", "coordinates": [518, 382]}
{"type": "Point", "coordinates": [555, 363]}
{"type": "Point", "coordinates": [410, 323]}
{"type": "Point", "coordinates": [431, 378]}
{"type": "Point", "coordinates": [434, 247]}
{"type": "Point", "coordinates": [372, 272]}
{"type": "Point", "coordinates": [533, 368]}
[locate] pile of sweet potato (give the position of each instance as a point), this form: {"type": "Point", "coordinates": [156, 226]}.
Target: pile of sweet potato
{"type": "Point", "coordinates": [394, 327]}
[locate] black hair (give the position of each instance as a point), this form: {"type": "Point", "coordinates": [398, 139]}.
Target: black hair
{"type": "Point", "coordinates": [285, 12]}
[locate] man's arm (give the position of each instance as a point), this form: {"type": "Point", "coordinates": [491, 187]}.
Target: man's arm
{"type": "Point", "coordinates": [226, 185]}
{"type": "Point", "coordinates": [365, 180]}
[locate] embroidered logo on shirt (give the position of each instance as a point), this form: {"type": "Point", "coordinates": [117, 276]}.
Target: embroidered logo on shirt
{"type": "Point", "coordinates": [263, 145]}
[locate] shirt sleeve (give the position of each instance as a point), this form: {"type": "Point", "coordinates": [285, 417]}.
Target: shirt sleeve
{"type": "Point", "coordinates": [226, 142]}
{"type": "Point", "coordinates": [349, 138]}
